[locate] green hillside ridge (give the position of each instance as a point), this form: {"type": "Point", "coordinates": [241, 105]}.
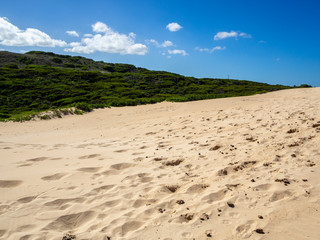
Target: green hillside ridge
{"type": "Point", "coordinates": [40, 81]}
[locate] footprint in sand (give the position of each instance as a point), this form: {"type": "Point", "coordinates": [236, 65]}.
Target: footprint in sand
{"type": "Point", "coordinates": [140, 177]}
{"type": "Point", "coordinates": [127, 227]}
{"type": "Point", "coordinates": [197, 188]}
{"type": "Point", "coordinates": [244, 228]}
{"type": "Point", "coordinates": [121, 166]}
{"type": "Point", "coordinates": [24, 228]}
{"type": "Point", "coordinates": [262, 187]}
{"type": "Point", "coordinates": [121, 150]}
{"type": "Point", "coordinates": [89, 169]}
{"type": "Point", "coordinates": [216, 196]}
{"type": "Point", "coordinates": [10, 183]}
{"type": "Point", "coordinates": [278, 195]}
{"type": "Point", "coordinates": [60, 202]}
{"type": "Point", "coordinates": [109, 204]}
{"type": "Point", "coordinates": [71, 221]}
{"type": "Point", "coordinates": [89, 156]}
{"type": "Point", "coordinates": [2, 232]}
{"type": "Point", "coordinates": [53, 177]}
{"type": "Point", "coordinates": [38, 159]}
{"type": "Point", "coordinates": [27, 199]}
{"type": "Point", "coordinates": [100, 190]}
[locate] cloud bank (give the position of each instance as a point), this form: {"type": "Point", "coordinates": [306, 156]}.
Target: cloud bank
{"type": "Point", "coordinates": [10, 35]}
{"type": "Point", "coordinates": [107, 40]}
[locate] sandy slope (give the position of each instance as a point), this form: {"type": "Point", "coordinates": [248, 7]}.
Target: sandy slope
{"type": "Point", "coordinates": [215, 169]}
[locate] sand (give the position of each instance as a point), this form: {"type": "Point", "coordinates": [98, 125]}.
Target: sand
{"type": "Point", "coordinates": [236, 168]}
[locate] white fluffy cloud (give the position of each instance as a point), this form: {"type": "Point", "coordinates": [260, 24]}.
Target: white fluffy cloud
{"type": "Point", "coordinates": [100, 27]}
{"type": "Point", "coordinates": [177, 51]}
{"type": "Point", "coordinates": [210, 50]}
{"type": "Point", "coordinates": [72, 33]}
{"type": "Point", "coordinates": [223, 35]}
{"type": "Point", "coordinates": [108, 41]}
{"type": "Point", "coordinates": [173, 27]}
{"type": "Point", "coordinates": [10, 35]}
{"type": "Point", "coordinates": [165, 44]}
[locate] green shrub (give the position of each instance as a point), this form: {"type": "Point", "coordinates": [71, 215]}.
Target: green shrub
{"type": "Point", "coordinates": [38, 88]}
{"type": "Point", "coordinates": [11, 66]}
{"type": "Point", "coordinates": [84, 107]}
{"type": "Point", "coordinates": [69, 65]}
{"type": "Point", "coordinates": [4, 115]}
{"type": "Point", "coordinates": [57, 60]}
{"type": "Point", "coordinates": [305, 86]}
{"type": "Point", "coordinates": [25, 60]}
{"type": "Point", "coordinates": [45, 117]}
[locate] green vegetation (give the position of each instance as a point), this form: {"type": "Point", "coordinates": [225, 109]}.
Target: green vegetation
{"type": "Point", "coordinates": [56, 82]}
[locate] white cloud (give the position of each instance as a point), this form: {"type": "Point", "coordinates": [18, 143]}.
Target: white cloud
{"type": "Point", "coordinates": [153, 42]}
{"type": "Point", "coordinates": [173, 27]}
{"type": "Point", "coordinates": [165, 44]}
{"type": "Point", "coordinates": [210, 50]}
{"type": "Point", "coordinates": [10, 35]}
{"type": "Point", "coordinates": [133, 35]}
{"type": "Point", "coordinates": [100, 27]}
{"type": "Point", "coordinates": [88, 35]}
{"type": "Point", "coordinates": [245, 35]}
{"type": "Point", "coordinates": [72, 33]}
{"type": "Point", "coordinates": [262, 41]}
{"type": "Point", "coordinates": [110, 42]}
{"type": "Point", "coordinates": [75, 44]}
{"type": "Point", "coordinates": [177, 51]}
{"type": "Point", "coordinates": [202, 49]}
{"type": "Point", "coordinates": [217, 48]}
{"type": "Point", "coordinates": [223, 35]}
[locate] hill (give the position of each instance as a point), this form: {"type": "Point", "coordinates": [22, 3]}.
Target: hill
{"type": "Point", "coordinates": [40, 81]}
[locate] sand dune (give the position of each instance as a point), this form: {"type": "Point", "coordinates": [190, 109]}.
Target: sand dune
{"type": "Point", "coordinates": [237, 168]}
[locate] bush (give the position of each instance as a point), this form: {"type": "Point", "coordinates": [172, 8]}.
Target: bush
{"type": "Point", "coordinates": [57, 60]}
{"type": "Point", "coordinates": [69, 65]}
{"type": "Point", "coordinates": [25, 60]}
{"type": "Point", "coordinates": [84, 107]}
{"type": "Point", "coordinates": [4, 115]}
{"type": "Point", "coordinates": [108, 68]}
{"type": "Point", "coordinates": [11, 66]}
{"type": "Point", "coordinates": [45, 117]}
{"type": "Point", "coordinates": [305, 86]}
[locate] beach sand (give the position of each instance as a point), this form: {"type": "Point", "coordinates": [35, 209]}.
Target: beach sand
{"type": "Point", "coordinates": [235, 168]}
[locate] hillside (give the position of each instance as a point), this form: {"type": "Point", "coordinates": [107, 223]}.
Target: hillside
{"type": "Point", "coordinates": [39, 81]}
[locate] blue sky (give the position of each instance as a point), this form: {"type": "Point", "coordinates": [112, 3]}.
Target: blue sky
{"type": "Point", "coordinates": [266, 41]}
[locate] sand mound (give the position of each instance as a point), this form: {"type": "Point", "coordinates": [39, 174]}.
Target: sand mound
{"type": "Point", "coordinates": [237, 168]}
